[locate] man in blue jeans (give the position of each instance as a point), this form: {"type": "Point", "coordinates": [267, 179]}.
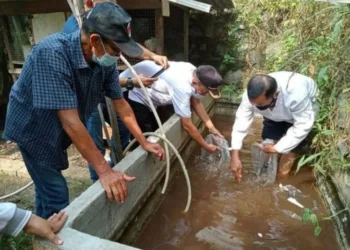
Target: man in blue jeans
{"type": "Point", "coordinates": [62, 82]}
{"type": "Point", "coordinates": [93, 123]}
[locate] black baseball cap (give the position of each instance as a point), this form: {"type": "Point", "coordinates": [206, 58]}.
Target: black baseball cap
{"type": "Point", "coordinates": [111, 22]}
{"type": "Point", "coordinates": [210, 78]}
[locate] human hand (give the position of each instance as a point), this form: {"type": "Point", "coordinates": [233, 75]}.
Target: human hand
{"type": "Point", "coordinates": [211, 148]}
{"type": "Point", "coordinates": [113, 183]}
{"type": "Point", "coordinates": [147, 81]}
{"type": "Point", "coordinates": [216, 132]}
{"type": "Point", "coordinates": [161, 60]}
{"type": "Point", "coordinates": [46, 228]}
{"type": "Point", "coordinates": [268, 148]}
{"type": "Point", "coordinates": [236, 167]}
{"type": "Point", "coordinates": [155, 149]}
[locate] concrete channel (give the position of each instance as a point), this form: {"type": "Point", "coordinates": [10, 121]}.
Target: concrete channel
{"type": "Point", "coordinates": [96, 223]}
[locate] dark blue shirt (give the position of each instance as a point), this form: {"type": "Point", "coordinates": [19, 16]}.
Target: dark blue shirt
{"type": "Point", "coordinates": [55, 76]}
{"type": "Point", "coordinates": [71, 25]}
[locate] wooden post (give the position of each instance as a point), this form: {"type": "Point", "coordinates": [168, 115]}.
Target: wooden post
{"type": "Point", "coordinates": [112, 113]}
{"type": "Point", "coordinates": [108, 138]}
{"type": "Point", "coordinates": [159, 31]}
{"type": "Point", "coordinates": [165, 8]}
{"type": "Point", "coordinates": [6, 33]}
{"type": "Point", "coordinates": [186, 35]}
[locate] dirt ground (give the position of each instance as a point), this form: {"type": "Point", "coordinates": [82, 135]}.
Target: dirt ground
{"type": "Point", "coordinates": [13, 175]}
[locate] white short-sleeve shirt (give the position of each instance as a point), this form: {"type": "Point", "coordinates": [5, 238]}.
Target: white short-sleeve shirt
{"type": "Point", "coordinates": [174, 86]}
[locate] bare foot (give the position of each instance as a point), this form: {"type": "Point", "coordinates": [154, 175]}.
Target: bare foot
{"type": "Point", "coordinates": [286, 163]}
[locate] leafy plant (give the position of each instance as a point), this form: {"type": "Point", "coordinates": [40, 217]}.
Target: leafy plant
{"type": "Point", "coordinates": [310, 216]}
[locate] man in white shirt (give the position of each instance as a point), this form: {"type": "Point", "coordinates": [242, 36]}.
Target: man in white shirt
{"type": "Point", "coordinates": [181, 85]}
{"type": "Point", "coordinates": [287, 101]}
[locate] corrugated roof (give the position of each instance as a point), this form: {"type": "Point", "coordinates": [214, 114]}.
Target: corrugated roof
{"type": "Point", "coordinates": [193, 4]}
{"type": "Point", "coordinates": [219, 4]}
{"type": "Point", "coordinates": [205, 5]}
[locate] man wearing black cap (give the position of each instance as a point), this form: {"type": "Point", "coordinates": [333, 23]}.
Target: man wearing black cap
{"type": "Point", "coordinates": [93, 123]}
{"type": "Point", "coordinates": [62, 81]}
{"type": "Point", "coordinates": [181, 85]}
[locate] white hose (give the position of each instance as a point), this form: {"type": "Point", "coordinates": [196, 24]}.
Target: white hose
{"type": "Point", "coordinates": [189, 196]}
{"type": "Point", "coordinates": [17, 191]}
{"type": "Point", "coordinates": [167, 172]}
{"type": "Point", "coordinates": [160, 125]}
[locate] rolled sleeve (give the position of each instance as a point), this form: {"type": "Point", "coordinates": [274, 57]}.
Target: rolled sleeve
{"type": "Point", "coordinates": [13, 219]}
{"type": "Point", "coordinates": [111, 85]}
{"type": "Point", "coordinates": [52, 81]}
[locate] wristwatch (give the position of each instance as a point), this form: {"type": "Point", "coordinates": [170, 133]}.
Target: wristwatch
{"type": "Point", "coordinates": [129, 84]}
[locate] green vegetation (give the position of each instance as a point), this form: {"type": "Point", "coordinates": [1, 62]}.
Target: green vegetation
{"type": "Point", "coordinates": [311, 38]}
{"type": "Point", "coordinates": [22, 242]}
{"type": "Point", "coordinates": [309, 215]}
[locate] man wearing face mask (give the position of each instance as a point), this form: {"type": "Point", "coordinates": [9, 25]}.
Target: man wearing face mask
{"type": "Point", "coordinates": [62, 81]}
{"type": "Point", "coordinates": [287, 101]}
{"type": "Point", "coordinates": [182, 85]}
{"type": "Point", "coordinates": [93, 122]}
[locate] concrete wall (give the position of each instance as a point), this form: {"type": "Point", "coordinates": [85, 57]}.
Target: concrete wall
{"type": "Point", "coordinates": [92, 216]}
{"type": "Point", "coordinates": [335, 194]}
{"type": "Point", "coordinates": [47, 24]}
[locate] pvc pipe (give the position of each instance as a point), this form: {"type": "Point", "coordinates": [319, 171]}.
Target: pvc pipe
{"type": "Point", "coordinates": [160, 125]}
{"type": "Point", "coordinates": [17, 191]}
{"type": "Point", "coordinates": [182, 163]}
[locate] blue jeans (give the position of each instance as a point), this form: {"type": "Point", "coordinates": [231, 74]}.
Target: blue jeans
{"type": "Point", "coordinates": [94, 127]}
{"type": "Point", "coordinates": [51, 190]}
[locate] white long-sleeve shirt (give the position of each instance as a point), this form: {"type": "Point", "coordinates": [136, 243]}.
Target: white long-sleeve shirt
{"type": "Point", "coordinates": [174, 86]}
{"type": "Point", "coordinates": [12, 219]}
{"type": "Point", "coordinates": [296, 104]}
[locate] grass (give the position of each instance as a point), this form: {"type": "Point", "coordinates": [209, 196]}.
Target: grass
{"type": "Point", "coordinates": [21, 242]}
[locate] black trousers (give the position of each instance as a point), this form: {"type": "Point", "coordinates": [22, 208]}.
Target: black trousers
{"type": "Point", "coordinates": [144, 117]}
{"type": "Point", "coordinates": [276, 130]}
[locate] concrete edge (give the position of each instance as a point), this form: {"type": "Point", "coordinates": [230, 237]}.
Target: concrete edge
{"type": "Point", "coordinates": [76, 209]}
{"type": "Point", "coordinates": [74, 239]}
{"type": "Point", "coordinates": [334, 205]}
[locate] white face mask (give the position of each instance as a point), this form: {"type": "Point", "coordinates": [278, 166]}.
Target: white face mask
{"type": "Point", "coordinates": [106, 60]}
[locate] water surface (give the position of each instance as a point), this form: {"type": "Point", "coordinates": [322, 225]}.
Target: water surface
{"type": "Point", "coordinates": [229, 215]}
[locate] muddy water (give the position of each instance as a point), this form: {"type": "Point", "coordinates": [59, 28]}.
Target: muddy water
{"type": "Point", "coordinates": [227, 215]}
